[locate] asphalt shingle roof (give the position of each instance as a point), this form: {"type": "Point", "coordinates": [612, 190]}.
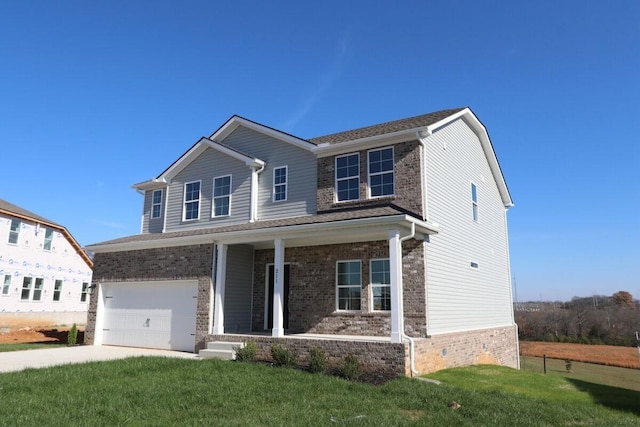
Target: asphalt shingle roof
{"type": "Point", "coordinates": [11, 208]}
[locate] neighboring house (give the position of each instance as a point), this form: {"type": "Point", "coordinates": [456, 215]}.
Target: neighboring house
{"type": "Point", "coordinates": [389, 242]}
{"type": "Point", "coordinates": [44, 273]}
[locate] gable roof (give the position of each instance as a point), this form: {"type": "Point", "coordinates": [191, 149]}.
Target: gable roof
{"type": "Point", "coordinates": [15, 211]}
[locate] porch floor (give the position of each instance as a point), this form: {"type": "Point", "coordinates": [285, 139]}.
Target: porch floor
{"type": "Point", "coordinates": [365, 338]}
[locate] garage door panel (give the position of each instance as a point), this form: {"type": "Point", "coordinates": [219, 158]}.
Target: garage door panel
{"type": "Point", "coordinates": [150, 314]}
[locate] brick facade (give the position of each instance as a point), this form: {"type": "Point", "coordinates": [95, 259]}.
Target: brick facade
{"type": "Point", "coordinates": [408, 192]}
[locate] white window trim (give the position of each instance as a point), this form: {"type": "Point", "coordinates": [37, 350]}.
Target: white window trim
{"type": "Point", "coordinates": [369, 174]}
{"type": "Point", "coordinates": [285, 184]}
{"type": "Point", "coordinates": [84, 292]}
{"type": "Point", "coordinates": [336, 179]}
{"type": "Point", "coordinates": [153, 204]}
{"type": "Point", "coordinates": [35, 288]}
{"type": "Point", "coordinates": [29, 288]}
{"type": "Point", "coordinates": [17, 242]}
{"type": "Point", "coordinates": [377, 285]}
{"type": "Point", "coordinates": [59, 291]}
{"type": "Point", "coordinates": [6, 285]}
{"type": "Point", "coordinates": [475, 210]}
{"type": "Point", "coordinates": [339, 287]}
{"type": "Point", "coordinates": [184, 201]}
{"type": "Point", "coordinates": [213, 197]}
{"type": "Point", "coordinates": [44, 245]}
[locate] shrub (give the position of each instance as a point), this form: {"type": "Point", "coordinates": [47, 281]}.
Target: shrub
{"type": "Point", "coordinates": [317, 361]}
{"type": "Point", "coordinates": [568, 364]}
{"type": "Point", "coordinates": [351, 367]}
{"type": "Point", "coordinates": [284, 357]}
{"type": "Point", "coordinates": [248, 353]}
{"type": "Point", "coordinates": [72, 335]}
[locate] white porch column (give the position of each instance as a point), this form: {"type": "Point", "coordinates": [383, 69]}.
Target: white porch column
{"type": "Point", "coordinates": [221, 276]}
{"type": "Point", "coordinates": [395, 267]}
{"type": "Point", "coordinates": [278, 289]}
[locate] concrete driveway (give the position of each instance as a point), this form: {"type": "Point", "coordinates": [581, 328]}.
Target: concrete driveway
{"type": "Point", "coordinates": [43, 358]}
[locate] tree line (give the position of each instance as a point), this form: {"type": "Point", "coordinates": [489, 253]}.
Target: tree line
{"type": "Point", "coordinates": [598, 319]}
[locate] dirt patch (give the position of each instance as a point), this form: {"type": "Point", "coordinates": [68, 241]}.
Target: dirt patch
{"type": "Point", "coordinates": [623, 357]}
{"type": "Point", "coordinates": [37, 335]}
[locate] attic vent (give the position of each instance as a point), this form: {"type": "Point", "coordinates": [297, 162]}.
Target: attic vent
{"type": "Point", "coordinates": [474, 264]}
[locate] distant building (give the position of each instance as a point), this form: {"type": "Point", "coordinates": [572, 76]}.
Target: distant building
{"type": "Point", "coordinates": [44, 273]}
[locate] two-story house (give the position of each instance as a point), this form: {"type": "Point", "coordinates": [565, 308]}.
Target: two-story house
{"type": "Point", "coordinates": [44, 273]}
{"type": "Point", "coordinates": [389, 242]}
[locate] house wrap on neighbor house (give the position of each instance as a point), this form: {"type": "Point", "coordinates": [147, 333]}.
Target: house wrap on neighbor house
{"type": "Point", "coordinates": [44, 273]}
{"type": "Point", "coordinates": [389, 242]}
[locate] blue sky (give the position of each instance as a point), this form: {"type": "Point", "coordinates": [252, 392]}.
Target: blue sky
{"type": "Point", "coordinates": [97, 96]}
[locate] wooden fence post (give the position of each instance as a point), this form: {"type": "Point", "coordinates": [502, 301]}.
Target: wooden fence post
{"type": "Point", "coordinates": [544, 358]}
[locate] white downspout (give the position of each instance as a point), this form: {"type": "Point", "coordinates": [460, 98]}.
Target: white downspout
{"type": "Point", "coordinates": [513, 320]}
{"type": "Point", "coordinates": [423, 168]}
{"type": "Point", "coordinates": [254, 192]}
{"type": "Point", "coordinates": [405, 336]}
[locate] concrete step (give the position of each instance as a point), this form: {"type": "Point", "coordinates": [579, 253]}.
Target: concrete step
{"type": "Point", "coordinates": [220, 350]}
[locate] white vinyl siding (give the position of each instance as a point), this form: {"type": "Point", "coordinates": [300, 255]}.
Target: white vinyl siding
{"type": "Point", "coordinates": [347, 177]}
{"type": "Point", "coordinates": [461, 297]}
{"type": "Point", "coordinates": [349, 285]}
{"type": "Point", "coordinates": [156, 204]}
{"type": "Point", "coordinates": [280, 184]}
{"type": "Point", "coordinates": [191, 207]}
{"type": "Point", "coordinates": [221, 196]}
{"type": "Point", "coordinates": [151, 224]}
{"type": "Point", "coordinates": [380, 170]}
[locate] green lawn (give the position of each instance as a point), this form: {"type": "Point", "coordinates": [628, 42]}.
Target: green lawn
{"type": "Point", "coordinates": [166, 392]}
{"type": "Point", "coordinates": [27, 346]}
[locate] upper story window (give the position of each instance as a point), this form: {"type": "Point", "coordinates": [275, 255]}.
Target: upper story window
{"type": "Point", "coordinates": [156, 204]}
{"type": "Point", "coordinates": [381, 284]}
{"type": "Point", "coordinates": [191, 208]}
{"type": "Point", "coordinates": [57, 290]}
{"type": "Point", "coordinates": [349, 285]}
{"type": "Point", "coordinates": [348, 177]}
{"type": "Point", "coordinates": [280, 184]}
{"type": "Point", "coordinates": [474, 202]}
{"type": "Point", "coordinates": [48, 239]}
{"type": "Point", "coordinates": [14, 232]}
{"type": "Point", "coordinates": [381, 172]}
{"type": "Point", "coordinates": [6, 284]}
{"type": "Point", "coordinates": [221, 195]}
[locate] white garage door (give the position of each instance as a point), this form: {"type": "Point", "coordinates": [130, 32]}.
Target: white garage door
{"type": "Point", "coordinates": [150, 314]}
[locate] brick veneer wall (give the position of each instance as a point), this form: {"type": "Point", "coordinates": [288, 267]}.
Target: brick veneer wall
{"type": "Point", "coordinates": [408, 188]}
{"type": "Point", "coordinates": [312, 289]}
{"type": "Point", "coordinates": [172, 263]}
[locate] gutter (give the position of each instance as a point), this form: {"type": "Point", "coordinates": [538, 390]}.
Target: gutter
{"type": "Point", "coordinates": [253, 217]}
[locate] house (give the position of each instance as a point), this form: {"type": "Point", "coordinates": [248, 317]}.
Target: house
{"type": "Point", "coordinates": [388, 242]}
{"type": "Point", "coordinates": [44, 273]}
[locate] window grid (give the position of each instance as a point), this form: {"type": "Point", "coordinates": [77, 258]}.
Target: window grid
{"type": "Point", "coordinates": [348, 177]}
{"type": "Point", "coordinates": [156, 204]}
{"type": "Point", "coordinates": [14, 232]}
{"type": "Point", "coordinates": [474, 202]}
{"type": "Point", "coordinates": [37, 290]}
{"type": "Point", "coordinates": [280, 184]}
{"type": "Point", "coordinates": [6, 284]}
{"type": "Point", "coordinates": [83, 293]}
{"type": "Point", "coordinates": [381, 179]}
{"type": "Point", "coordinates": [26, 288]}
{"type": "Point", "coordinates": [221, 196]}
{"type": "Point", "coordinates": [57, 290]}
{"type": "Point", "coordinates": [381, 284]}
{"type": "Point", "coordinates": [48, 239]}
{"type": "Point", "coordinates": [191, 201]}
{"type": "Point", "coordinates": [349, 285]}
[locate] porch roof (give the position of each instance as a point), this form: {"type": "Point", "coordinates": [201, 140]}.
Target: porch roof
{"type": "Point", "coordinates": [348, 225]}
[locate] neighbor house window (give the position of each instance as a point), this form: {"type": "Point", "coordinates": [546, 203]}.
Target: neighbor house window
{"type": "Point", "coordinates": [348, 177]}
{"type": "Point", "coordinates": [349, 284]}
{"type": "Point", "coordinates": [156, 204]}
{"type": "Point", "coordinates": [37, 290]}
{"type": "Point", "coordinates": [84, 292]}
{"type": "Point", "coordinates": [381, 172]}
{"type": "Point", "coordinates": [221, 195]}
{"type": "Point", "coordinates": [474, 202]}
{"type": "Point", "coordinates": [26, 288]}
{"type": "Point", "coordinates": [280, 184]}
{"type": "Point", "coordinates": [14, 232]}
{"type": "Point", "coordinates": [6, 284]}
{"type": "Point", "coordinates": [48, 239]}
{"type": "Point", "coordinates": [57, 290]}
{"type": "Point", "coordinates": [191, 201]}
{"type": "Point", "coordinates": [381, 284]}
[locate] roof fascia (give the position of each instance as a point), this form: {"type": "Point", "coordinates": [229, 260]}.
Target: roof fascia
{"type": "Point", "coordinates": [236, 121]}
{"type": "Point", "coordinates": [152, 184]}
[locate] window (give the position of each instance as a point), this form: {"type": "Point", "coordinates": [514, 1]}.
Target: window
{"type": "Point", "coordinates": [26, 288]}
{"type": "Point", "coordinates": [474, 202]}
{"type": "Point", "coordinates": [348, 177]}
{"type": "Point", "coordinates": [84, 292]}
{"type": "Point", "coordinates": [48, 239]}
{"type": "Point", "coordinates": [37, 290]}
{"type": "Point", "coordinates": [57, 290]}
{"type": "Point", "coordinates": [349, 284]}
{"type": "Point", "coordinates": [381, 284]}
{"type": "Point", "coordinates": [381, 172]}
{"type": "Point", "coordinates": [14, 232]}
{"type": "Point", "coordinates": [156, 204]}
{"type": "Point", "coordinates": [6, 284]}
{"type": "Point", "coordinates": [191, 201]}
{"type": "Point", "coordinates": [280, 184]}
{"type": "Point", "coordinates": [221, 195]}
{"type": "Point", "coordinates": [474, 264]}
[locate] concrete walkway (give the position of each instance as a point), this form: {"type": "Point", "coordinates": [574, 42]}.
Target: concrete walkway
{"type": "Point", "coordinates": [42, 358]}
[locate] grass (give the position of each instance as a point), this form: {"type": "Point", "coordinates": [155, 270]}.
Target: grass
{"type": "Point", "coordinates": [27, 346]}
{"type": "Point", "coordinates": [164, 392]}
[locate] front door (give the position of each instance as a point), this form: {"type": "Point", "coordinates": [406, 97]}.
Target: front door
{"type": "Point", "coordinates": [285, 297]}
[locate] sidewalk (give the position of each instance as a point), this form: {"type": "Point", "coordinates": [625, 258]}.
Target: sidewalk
{"type": "Point", "coordinates": [11, 361]}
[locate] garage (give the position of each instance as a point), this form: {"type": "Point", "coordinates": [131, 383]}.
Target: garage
{"type": "Point", "coordinates": [158, 314]}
